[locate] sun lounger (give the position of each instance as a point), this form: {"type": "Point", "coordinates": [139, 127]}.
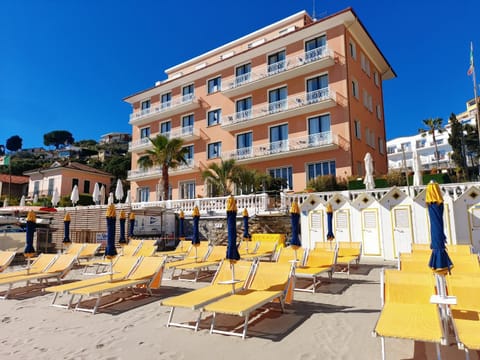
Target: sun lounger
{"type": "Point", "coordinates": [318, 262]}
{"type": "Point", "coordinates": [288, 255]}
{"type": "Point", "coordinates": [195, 255]}
{"type": "Point", "coordinates": [88, 251]}
{"type": "Point", "coordinates": [58, 268]}
{"type": "Point", "coordinates": [41, 263]}
{"type": "Point", "coordinates": [246, 248]}
{"type": "Point", "coordinates": [74, 249]}
{"type": "Point", "coordinates": [121, 268]}
{"type": "Point", "coordinates": [213, 259]}
{"type": "Point", "coordinates": [147, 249]}
{"type": "Point", "coordinates": [348, 253]}
{"type": "Point", "coordinates": [407, 312]}
{"type": "Point", "coordinates": [269, 282]}
{"type": "Point", "coordinates": [99, 265]}
{"type": "Point", "coordinates": [264, 250]}
{"type": "Point", "coordinates": [180, 251]}
{"type": "Point", "coordinates": [6, 257]}
{"type": "Point", "coordinates": [221, 286]}
{"type": "Point", "coordinates": [148, 273]}
{"type": "Point", "coordinates": [466, 313]}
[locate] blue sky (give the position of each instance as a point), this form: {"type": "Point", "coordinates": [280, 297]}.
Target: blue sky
{"type": "Point", "coordinates": [67, 65]}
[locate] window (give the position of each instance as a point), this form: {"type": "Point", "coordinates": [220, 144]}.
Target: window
{"type": "Point", "coordinates": [213, 117]}
{"type": "Point", "coordinates": [145, 106]}
{"type": "Point", "coordinates": [370, 138]}
{"type": "Point", "coordinates": [370, 103]}
{"type": "Point", "coordinates": [86, 187]}
{"type": "Point", "coordinates": [36, 187]}
{"type": "Point", "coordinates": [391, 149]}
{"type": "Point", "coordinates": [74, 182]}
{"type": "Point", "coordinates": [51, 183]}
{"type": "Point", "coordinates": [244, 144]}
{"type": "Point", "coordinates": [381, 146]}
{"type": "Point", "coordinates": [165, 128]}
{"type": "Point", "coordinates": [378, 110]}
{"type": "Point", "coordinates": [276, 62]}
{"type": "Point", "coordinates": [143, 194]}
{"type": "Point", "coordinates": [214, 85]}
{"type": "Point", "coordinates": [189, 155]}
{"type": "Point", "coordinates": [188, 93]}
{"type": "Point", "coordinates": [320, 169]}
{"type": "Point", "coordinates": [355, 88]}
{"type": "Point", "coordinates": [214, 150]}
{"type": "Point", "coordinates": [358, 133]}
{"type": "Point", "coordinates": [365, 98]}
{"type": "Point", "coordinates": [353, 50]}
{"type": "Point", "coordinates": [405, 146]}
{"type": "Point", "coordinates": [187, 190]}
{"type": "Point", "coordinates": [317, 88]}
{"type": "Point", "coordinates": [420, 143]}
{"type": "Point", "coordinates": [244, 108]}
{"type": "Point", "coordinates": [187, 125]}
{"type": "Point", "coordinates": [279, 138]}
{"type": "Point", "coordinates": [315, 48]}
{"type": "Point", "coordinates": [144, 132]}
{"type": "Point", "coordinates": [166, 100]}
{"type": "Point", "coordinates": [365, 63]}
{"type": "Point", "coordinates": [284, 173]}
{"type": "Point", "coordinates": [277, 100]}
{"type": "Point", "coordinates": [360, 168]}
{"type": "Point", "coordinates": [376, 78]}
{"type": "Point", "coordinates": [242, 74]}
{"type": "Point", "coordinates": [319, 129]}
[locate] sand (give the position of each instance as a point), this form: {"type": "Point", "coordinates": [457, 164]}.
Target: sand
{"type": "Point", "coordinates": [334, 323]}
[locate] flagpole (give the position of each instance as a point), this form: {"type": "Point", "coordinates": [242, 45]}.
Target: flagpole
{"type": "Point", "coordinates": [477, 113]}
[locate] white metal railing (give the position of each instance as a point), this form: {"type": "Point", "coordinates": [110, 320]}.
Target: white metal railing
{"type": "Point", "coordinates": [162, 107]}
{"type": "Point", "coordinates": [182, 132]}
{"type": "Point", "coordinates": [157, 170]}
{"type": "Point", "coordinates": [277, 147]}
{"type": "Point", "coordinates": [291, 62]}
{"type": "Point", "coordinates": [290, 103]}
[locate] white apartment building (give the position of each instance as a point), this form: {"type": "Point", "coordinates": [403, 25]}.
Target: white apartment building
{"type": "Point", "coordinates": [400, 150]}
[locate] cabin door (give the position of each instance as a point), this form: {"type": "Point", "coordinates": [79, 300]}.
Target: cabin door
{"type": "Point", "coordinates": [402, 229]}
{"type": "Point", "coordinates": [371, 232]}
{"type": "Point", "coordinates": [316, 228]}
{"type": "Point", "coordinates": [474, 222]}
{"type": "Point", "coordinates": [342, 225]}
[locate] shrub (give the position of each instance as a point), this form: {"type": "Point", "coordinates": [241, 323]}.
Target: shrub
{"type": "Point", "coordinates": [326, 183]}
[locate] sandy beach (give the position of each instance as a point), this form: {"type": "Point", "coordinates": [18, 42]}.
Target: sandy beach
{"type": "Point", "coordinates": [334, 323]}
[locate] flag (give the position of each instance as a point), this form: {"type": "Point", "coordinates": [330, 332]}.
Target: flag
{"type": "Point", "coordinates": [4, 160]}
{"type": "Point", "coordinates": [470, 69]}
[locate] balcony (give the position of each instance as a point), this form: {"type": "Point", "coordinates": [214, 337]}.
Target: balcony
{"type": "Point", "coordinates": [187, 133]}
{"type": "Point", "coordinates": [176, 106]}
{"type": "Point", "coordinates": [156, 171]}
{"type": "Point", "coordinates": [268, 112]}
{"type": "Point", "coordinates": [324, 141]}
{"type": "Point", "coordinates": [291, 67]}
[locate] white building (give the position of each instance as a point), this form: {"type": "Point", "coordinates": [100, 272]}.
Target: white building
{"type": "Point", "coordinates": [402, 148]}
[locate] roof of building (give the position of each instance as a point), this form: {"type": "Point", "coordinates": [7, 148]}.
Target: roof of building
{"type": "Point", "coordinates": [14, 179]}
{"type": "Point", "coordinates": [71, 166]}
{"type": "Point", "coordinates": [347, 16]}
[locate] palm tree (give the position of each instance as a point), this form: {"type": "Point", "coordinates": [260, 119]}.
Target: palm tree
{"type": "Point", "coordinates": [248, 180]}
{"type": "Point", "coordinates": [433, 125]}
{"type": "Point", "coordinates": [166, 153]}
{"type": "Point", "coordinates": [220, 175]}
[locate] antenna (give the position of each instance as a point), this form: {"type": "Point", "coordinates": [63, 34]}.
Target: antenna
{"type": "Point", "coordinates": [313, 12]}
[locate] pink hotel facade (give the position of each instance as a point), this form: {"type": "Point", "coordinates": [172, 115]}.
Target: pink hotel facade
{"type": "Point", "coordinates": [297, 99]}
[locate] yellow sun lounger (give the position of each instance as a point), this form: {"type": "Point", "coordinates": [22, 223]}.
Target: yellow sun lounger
{"type": "Point", "coordinates": [222, 285]}
{"type": "Point", "coordinates": [318, 261]}
{"type": "Point", "coordinates": [264, 250]}
{"type": "Point", "coordinates": [182, 249]}
{"type": "Point", "coordinates": [74, 249]}
{"type": "Point", "coordinates": [61, 265]}
{"type": "Point", "coordinates": [121, 268]}
{"type": "Point", "coordinates": [147, 273]}
{"type": "Point", "coordinates": [88, 251]}
{"type": "Point", "coordinates": [407, 312]}
{"type": "Point", "coordinates": [348, 253]}
{"type": "Point", "coordinates": [41, 263]}
{"type": "Point", "coordinates": [100, 265]}
{"type": "Point", "coordinates": [270, 281]}
{"type": "Point", "coordinates": [214, 257]}
{"type": "Point", "coordinates": [289, 255]}
{"type": "Point", "coordinates": [466, 313]}
{"type": "Point", "coordinates": [147, 249]}
{"type": "Point", "coordinates": [195, 255]}
{"type": "Point", "coordinates": [6, 257]}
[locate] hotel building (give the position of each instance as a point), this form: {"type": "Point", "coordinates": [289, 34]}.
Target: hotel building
{"type": "Point", "coordinates": [296, 99]}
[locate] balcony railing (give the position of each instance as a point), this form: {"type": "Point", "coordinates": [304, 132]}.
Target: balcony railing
{"type": "Point", "coordinates": [273, 111]}
{"type": "Point", "coordinates": [156, 171]}
{"type": "Point", "coordinates": [163, 107]}
{"type": "Point", "coordinates": [290, 63]}
{"type": "Point", "coordinates": [313, 142]}
{"type": "Point", "coordinates": [187, 133]}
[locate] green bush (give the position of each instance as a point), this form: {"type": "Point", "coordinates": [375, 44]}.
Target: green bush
{"type": "Point", "coordinates": [326, 183]}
